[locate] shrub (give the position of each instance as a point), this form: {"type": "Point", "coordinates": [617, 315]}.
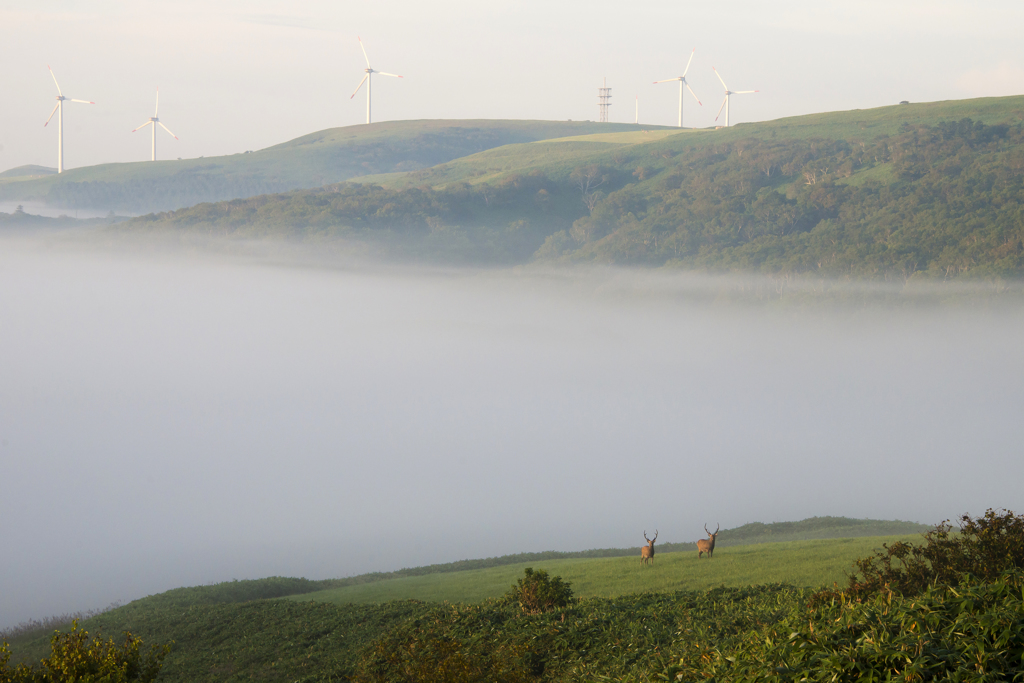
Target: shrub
{"type": "Point", "coordinates": [973, 631]}
{"type": "Point", "coordinates": [537, 592]}
{"type": "Point", "coordinates": [425, 657]}
{"type": "Point", "coordinates": [76, 658]}
{"type": "Point", "coordinates": [985, 547]}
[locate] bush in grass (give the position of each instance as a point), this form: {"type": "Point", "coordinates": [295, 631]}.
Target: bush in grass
{"type": "Point", "coordinates": [537, 592]}
{"type": "Point", "coordinates": [985, 547]}
{"type": "Point", "coordinates": [76, 658]}
{"type": "Point", "coordinates": [430, 657]}
{"type": "Point", "coordinates": [970, 632]}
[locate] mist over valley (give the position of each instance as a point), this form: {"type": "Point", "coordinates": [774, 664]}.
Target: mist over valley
{"type": "Point", "coordinates": [175, 418]}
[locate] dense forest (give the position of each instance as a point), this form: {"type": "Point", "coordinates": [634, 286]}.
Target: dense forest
{"type": "Point", "coordinates": [939, 201]}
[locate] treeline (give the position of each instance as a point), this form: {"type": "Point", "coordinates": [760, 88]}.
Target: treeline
{"type": "Point", "coordinates": [940, 201]}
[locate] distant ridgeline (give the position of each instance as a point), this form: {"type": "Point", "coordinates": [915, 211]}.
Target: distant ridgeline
{"type": "Point", "coordinates": [942, 200]}
{"type": "Point", "coordinates": [313, 160]}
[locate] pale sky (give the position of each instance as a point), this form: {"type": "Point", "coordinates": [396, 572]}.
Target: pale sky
{"type": "Point", "coordinates": [239, 75]}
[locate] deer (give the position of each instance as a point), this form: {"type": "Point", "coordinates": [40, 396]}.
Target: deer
{"type": "Point", "coordinates": [647, 552]}
{"type": "Point", "coordinates": [707, 545]}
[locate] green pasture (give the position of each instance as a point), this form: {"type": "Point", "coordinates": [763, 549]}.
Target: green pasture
{"type": "Point", "coordinates": [800, 563]}
{"type": "Point", "coordinates": [633, 137]}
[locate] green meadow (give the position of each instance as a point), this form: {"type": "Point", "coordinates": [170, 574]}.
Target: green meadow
{"type": "Point", "coordinates": [799, 563]}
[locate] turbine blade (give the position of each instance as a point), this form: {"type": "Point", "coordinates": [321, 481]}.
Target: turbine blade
{"type": "Point", "coordinates": [724, 100]}
{"type": "Point", "coordinates": [694, 94]}
{"type": "Point", "coordinates": [387, 74]}
{"type": "Point", "coordinates": [156, 112]}
{"type": "Point", "coordinates": [743, 92]}
{"type": "Point", "coordinates": [51, 114]}
{"type": "Point", "coordinates": [688, 63]}
{"type": "Point", "coordinates": [55, 80]}
{"type": "Point", "coordinates": [168, 130]}
{"type": "Point", "coordinates": [83, 101]}
{"type": "Point", "coordinates": [360, 85]}
{"type": "Point", "coordinates": [668, 79]}
{"type": "Point", "coordinates": [142, 126]}
{"type": "Point", "coordinates": [364, 51]}
{"type": "Point", "coordinates": [720, 77]}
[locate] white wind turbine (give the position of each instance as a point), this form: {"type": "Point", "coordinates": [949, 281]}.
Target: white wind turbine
{"type": "Point", "coordinates": [155, 121]}
{"type": "Point", "coordinates": [59, 110]}
{"type": "Point", "coordinates": [725, 102]}
{"type": "Point", "coordinates": [682, 82]}
{"type": "Point", "coordinates": [368, 78]}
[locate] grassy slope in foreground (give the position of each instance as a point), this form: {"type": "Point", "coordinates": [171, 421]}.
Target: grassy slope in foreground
{"type": "Point", "coordinates": [800, 563]}
{"type": "Point", "coordinates": [313, 160]}
{"type": "Point", "coordinates": [226, 632]}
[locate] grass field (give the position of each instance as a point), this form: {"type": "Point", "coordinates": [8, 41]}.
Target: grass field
{"type": "Point", "coordinates": [800, 563]}
{"type": "Point", "coordinates": [278, 629]}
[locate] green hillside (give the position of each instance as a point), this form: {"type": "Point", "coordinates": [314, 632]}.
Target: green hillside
{"type": "Point", "coordinates": [932, 190]}
{"type": "Point", "coordinates": [808, 564]}
{"type": "Point", "coordinates": [29, 171]}
{"type": "Point", "coordinates": [314, 160]}
{"type": "Point", "coordinates": [239, 629]}
{"type": "Point", "coordinates": [235, 626]}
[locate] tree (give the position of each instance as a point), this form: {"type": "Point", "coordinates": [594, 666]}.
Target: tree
{"type": "Point", "coordinates": [587, 179]}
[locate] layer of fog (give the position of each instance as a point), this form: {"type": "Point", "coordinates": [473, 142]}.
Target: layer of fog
{"type": "Point", "coordinates": [41, 209]}
{"type": "Point", "coordinates": [178, 420]}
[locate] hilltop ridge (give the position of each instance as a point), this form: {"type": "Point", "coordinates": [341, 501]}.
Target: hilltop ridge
{"type": "Point", "coordinates": [313, 160]}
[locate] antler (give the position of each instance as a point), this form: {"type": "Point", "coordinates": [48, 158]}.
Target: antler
{"type": "Point", "coordinates": [655, 535]}
{"type": "Point", "coordinates": [706, 528]}
{"type": "Point", "coordinates": [717, 527]}
{"type": "Point", "coordinates": [645, 536]}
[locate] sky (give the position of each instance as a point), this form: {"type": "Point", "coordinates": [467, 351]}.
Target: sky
{"type": "Point", "coordinates": [178, 419]}
{"type": "Point", "coordinates": [243, 75]}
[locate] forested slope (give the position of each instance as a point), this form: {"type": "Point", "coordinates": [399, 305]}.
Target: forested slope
{"type": "Point", "coordinates": [941, 200]}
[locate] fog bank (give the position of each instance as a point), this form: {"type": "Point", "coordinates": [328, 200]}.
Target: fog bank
{"type": "Point", "coordinates": [177, 420]}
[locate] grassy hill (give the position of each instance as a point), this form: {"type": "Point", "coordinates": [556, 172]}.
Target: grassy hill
{"type": "Point", "coordinates": [309, 630]}
{"type": "Point", "coordinates": [280, 629]}
{"type": "Point", "coordinates": [931, 190]}
{"type": "Point", "coordinates": [807, 564]}
{"type": "Point", "coordinates": [314, 160]}
{"type": "Point", "coordinates": [29, 171]}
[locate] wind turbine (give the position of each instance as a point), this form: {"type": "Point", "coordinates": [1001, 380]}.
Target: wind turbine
{"type": "Point", "coordinates": [725, 102]}
{"type": "Point", "coordinates": [59, 110]}
{"type": "Point", "coordinates": [368, 78]}
{"type": "Point", "coordinates": [682, 82]}
{"type": "Point", "coordinates": [155, 121]}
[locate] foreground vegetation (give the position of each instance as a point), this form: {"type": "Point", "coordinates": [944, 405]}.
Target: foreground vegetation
{"type": "Point", "coordinates": [948, 607]}
{"type": "Point", "coordinates": [940, 199]}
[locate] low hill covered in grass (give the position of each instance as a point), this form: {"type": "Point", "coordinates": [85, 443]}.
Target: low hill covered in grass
{"type": "Point", "coordinates": [314, 160]}
{"type": "Point", "coordinates": [931, 190]}
{"type": "Point", "coordinates": [304, 628]}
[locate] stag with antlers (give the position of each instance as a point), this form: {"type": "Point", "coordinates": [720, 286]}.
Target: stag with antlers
{"type": "Point", "coordinates": [707, 545]}
{"type": "Point", "coordinates": [647, 552]}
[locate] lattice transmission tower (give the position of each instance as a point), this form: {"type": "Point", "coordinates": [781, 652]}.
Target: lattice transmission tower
{"type": "Point", "coordinates": [604, 96]}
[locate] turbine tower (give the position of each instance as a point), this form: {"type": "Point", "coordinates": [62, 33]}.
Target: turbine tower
{"type": "Point", "coordinates": [725, 102]}
{"type": "Point", "coordinates": [155, 121]}
{"type": "Point", "coordinates": [682, 82]}
{"type": "Point", "coordinates": [368, 78]}
{"type": "Point", "coordinates": [59, 110]}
